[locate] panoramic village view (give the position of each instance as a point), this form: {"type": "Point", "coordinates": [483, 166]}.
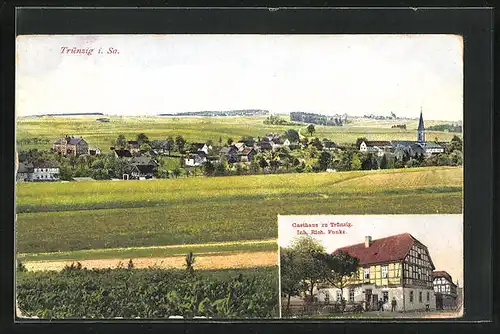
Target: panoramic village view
{"type": "Point", "coordinates": [163, 202]}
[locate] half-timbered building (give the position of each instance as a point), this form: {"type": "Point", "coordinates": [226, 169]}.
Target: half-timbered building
{"type": "Point", "coordinates": [445, 289]}
{"type": "Point", "coordinates": [398, 267]}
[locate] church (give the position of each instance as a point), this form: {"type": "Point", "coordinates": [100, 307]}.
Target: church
{"type": "Point", "coordinates": [402, 147]}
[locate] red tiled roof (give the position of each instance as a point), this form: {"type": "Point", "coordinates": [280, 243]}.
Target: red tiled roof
{"type": "Point", "coordinates": [247, 150]}
{"type": "Point", "coordinates": [393, 248]}
{"type": "Point", "coordinates": [442, 273]}
{"type": "Point", "coordinates": [378, 143]}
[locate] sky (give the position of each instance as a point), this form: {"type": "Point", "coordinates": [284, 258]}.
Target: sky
{"type": "Point", "coordinates": [327, 74]}
{"type": "Point", "coordinates": [442, 234]}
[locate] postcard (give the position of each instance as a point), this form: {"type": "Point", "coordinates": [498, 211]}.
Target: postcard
{"type": "Point", "coordinates": [371, 266]}
{"type": "Point", "coordinates": [151, 171]}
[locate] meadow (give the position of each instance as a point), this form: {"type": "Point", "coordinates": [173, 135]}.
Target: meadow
{"type": "Point", "coordinates": [202, 129]}
{"type": "Point", "coordinates": [62, 217]}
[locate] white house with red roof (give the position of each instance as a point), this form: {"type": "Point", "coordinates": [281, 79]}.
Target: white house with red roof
{"type": "Point", "coordinates": [397, 267]}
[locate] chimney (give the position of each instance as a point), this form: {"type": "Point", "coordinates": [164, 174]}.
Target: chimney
{"type": "Point", "coordinates": [368, 241]}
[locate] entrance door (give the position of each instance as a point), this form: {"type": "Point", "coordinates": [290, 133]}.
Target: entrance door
{"type": "Point", "coordinates": [439, 301]}
{"type": "Point", "coordinates": [368, 299]}
{"type": "Point", "coordinates": [375, 302]}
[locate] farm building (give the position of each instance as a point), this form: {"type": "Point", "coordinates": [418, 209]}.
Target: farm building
{"type": "Point", "coordinates": [445, 289]}
{"type": "Point", "coordinates": [70, 145]}
{"type": "Point", "coordinates": [133, 146]}
{"type": "Point", "coordinates": [398, 267]}
{"type": "Point", "coordinates": [404, 147]}
{"type": "Point", "coordinates": [37, 172]}
{"type": "Point", "coordinates": [196, 159]}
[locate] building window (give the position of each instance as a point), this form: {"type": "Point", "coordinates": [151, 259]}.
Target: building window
{"type": "Point", "coordinates": [384, 271]}
{"type": "Point", "coordinates": [339, 295]}
{"type": "Point", "coordinates": [411, 296]}
{"type": "Point", "coordinates": [420, 297]}
{"type": "Point", "coordinates": [351, 295]}
{"type": "Point", "coordinates": [428, 295]}
{"type": "Point", "coordinates": [385, 295]}
{"type": "Point", "coordinates": [367, 273]}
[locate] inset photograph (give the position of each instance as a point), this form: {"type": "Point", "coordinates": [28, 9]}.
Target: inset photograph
{"type": "Point", "coordinates": [393, 266]}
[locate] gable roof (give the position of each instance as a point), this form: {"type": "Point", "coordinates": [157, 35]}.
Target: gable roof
{"type": "Point", "coordinates": [442, 273]}
{"type": "Point", "coordinates": [70, 140]}
{"type": "Point", "coordinates": [403, 142]}
{"type": "Point", "coordinates": [46, 164]}
{"type": "Point", "coordinates": [198, 145]}
{"type": "Point", "coordinates": [430, 144]}
{"type": "Point", "coordinates": [25, 167]}
{"type": "Point", "coordinates": [133, 143]}
{"type": "Point", "coordinates": [377, 143]}
{"type": "Point", "coordinates": [247, 151]}
{"type": "Point", "coordinates": [144, 161]}
{"type": "Point", "coordinates": [389, 249]}
{"type": "Point", "coordinates": [123, 153]}
{"type": "Point", "coordinates": [145, 169]}
{"type": "Point", "coordinates": [239, 145]}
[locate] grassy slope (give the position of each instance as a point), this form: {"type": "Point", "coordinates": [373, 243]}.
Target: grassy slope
{"type": "Point", "coordinates": [205, 128]}
{"type": "Point", "coordinates": [199, 210]}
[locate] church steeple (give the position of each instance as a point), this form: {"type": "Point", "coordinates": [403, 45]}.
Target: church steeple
{"type": "Point", "coordinates": [421, 129]}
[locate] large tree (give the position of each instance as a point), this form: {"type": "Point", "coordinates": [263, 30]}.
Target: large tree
{"type": "Point", "coordinates": [291, 274]}
{"type": "Point", "coordinates": [341, 268]}
{"type": "Point", "coordinates": [292, 135]}
{"type": "Point", "coordinates": [313, 268]}
{"type": "Point", "coordinates": [169, 144]}
{"type": "Point", "coordinates": [324, 160]}
{"type": "Point", "coordinates": [179, 143]}
{"type": "Point", "coordinates": [355, 162]}
{"type": "Point", "coordinates": [121, 141]}
{"type": "Point", "coordinates": [311, 129]}
{"type": "Point", "coordinates": [142, 138]}
{"type": "Point", "coordinates": [384, 162]}
{"type": "Point", "coordinates": [456, 144]}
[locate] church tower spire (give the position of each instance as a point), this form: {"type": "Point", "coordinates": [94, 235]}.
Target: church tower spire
{"type": "Point", "coordinates": [421, 129]}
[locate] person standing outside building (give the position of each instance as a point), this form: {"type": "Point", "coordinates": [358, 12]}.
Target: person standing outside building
{"type": "Point", "coordinates": [393, 304]}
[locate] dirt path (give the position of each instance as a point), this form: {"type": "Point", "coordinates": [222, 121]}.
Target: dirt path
{"type": "Point", "coordinates": [215, 261]}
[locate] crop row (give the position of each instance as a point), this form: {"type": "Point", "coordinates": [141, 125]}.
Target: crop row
{"type": "Point", "coordinates": [148, 293]}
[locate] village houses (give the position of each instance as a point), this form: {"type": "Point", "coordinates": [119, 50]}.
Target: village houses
{"type": "Point", "coordinates": [404, 147]}
{"type": "Point", "coordinates": [396, 267]}
{"type": "Point", "coordinates": [37, 172]}
{"type": "Point", "coordinates": [70, 145]}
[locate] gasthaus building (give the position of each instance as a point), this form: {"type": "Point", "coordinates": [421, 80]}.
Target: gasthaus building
{"type": "Point", "coordinates": [396, 267]}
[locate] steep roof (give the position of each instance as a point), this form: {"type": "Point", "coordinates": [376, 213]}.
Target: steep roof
{"type": "Point", "coordinates": [69, 140]}
{"type": "Point", "coordinates": [442, 273]}
{"type": "Point", "coordinates": [389, 249]}
{"type": "Point", "coordinates": [198, 145]}
{"type": "Point", "coordinates": [142, 160]}
{"type": "Point", "coordinates": [123, 153]}
{"type": "Point", "coordinates": [421, 122]}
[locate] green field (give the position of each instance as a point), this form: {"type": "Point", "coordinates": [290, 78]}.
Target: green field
{"type": "Point", "coordinates": [148, 293]}
{"type": "Point", "coordinates": [202, 129]}
{"type": "Point", "coordinates": [223, 249]}
{"type": "Point", "coordinates": [115, 214]}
